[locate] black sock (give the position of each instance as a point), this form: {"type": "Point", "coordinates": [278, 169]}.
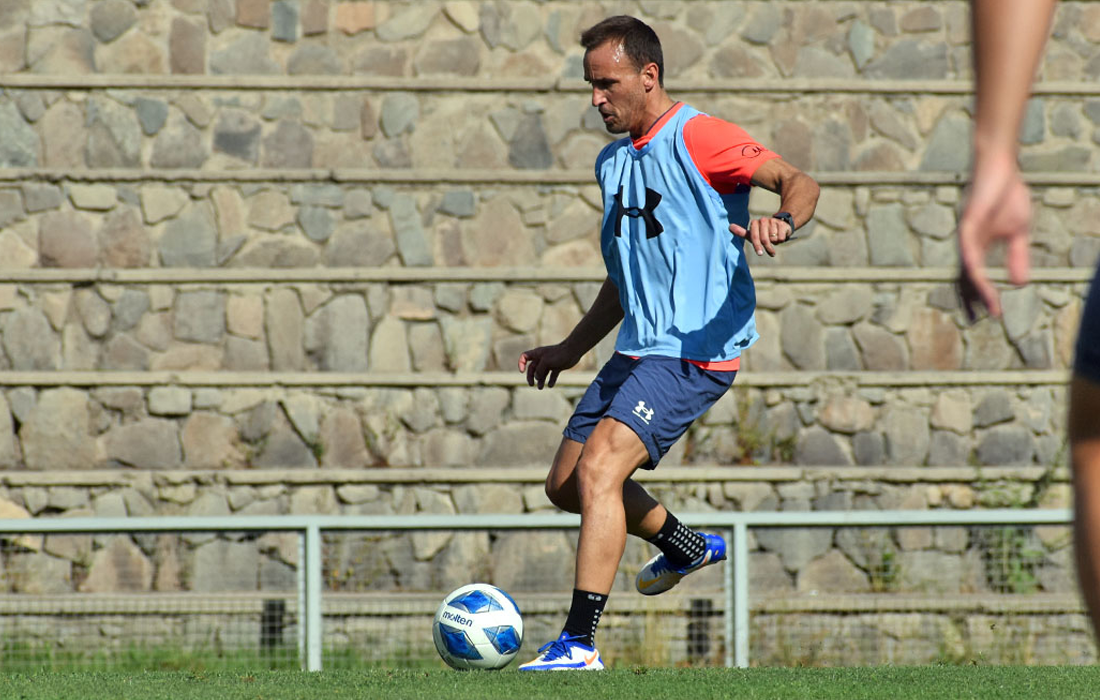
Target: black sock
{"type": "Point", "coordinates": [584, 615]}
{"type": "Point", "coordinates": [680, 545]}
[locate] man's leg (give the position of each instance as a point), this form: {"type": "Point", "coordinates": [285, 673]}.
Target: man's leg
{"type": "Point", "coordinates": [610, 456]}
{"type": "Point", "coordinates": [683, 549]}
{"type": "Point", "coordinates": [600, 469]}
{"type": "Point", "coordinates": [1084, 435]}
{"type": "Point", "coordinates": [644, 515]}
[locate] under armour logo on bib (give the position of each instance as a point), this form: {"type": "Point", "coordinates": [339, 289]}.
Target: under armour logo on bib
{"type": "Point", "coordinates": [653, 228]}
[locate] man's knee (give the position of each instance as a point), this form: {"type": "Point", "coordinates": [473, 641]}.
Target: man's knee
{"type": "Point", "coordinates": [562, 494]}
{"type": "Point", "coordinates": [596, 478]}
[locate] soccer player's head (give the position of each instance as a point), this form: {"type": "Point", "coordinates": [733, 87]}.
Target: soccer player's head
{"type": "Point", "coordinates": [625, 66]}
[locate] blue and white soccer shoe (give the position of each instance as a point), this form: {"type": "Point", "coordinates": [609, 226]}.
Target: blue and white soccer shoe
{"type": "Point", "coordinates": [657, 576]}
{"type": "Point", "coordinates": [565, 654]}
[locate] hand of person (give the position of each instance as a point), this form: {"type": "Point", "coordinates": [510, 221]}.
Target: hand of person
{"type": "Point", "coordinates": [546, 361]}
{"type": "Point", "coordinates": [764, 234]}
{"type": "Point", "coordinates": [998, 208]}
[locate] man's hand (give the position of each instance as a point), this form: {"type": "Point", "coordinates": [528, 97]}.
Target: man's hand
{"type": "Point", "coordinates": [764, 234]}
{"type": "Point", "coordinates": [998, 208]}
{"type": "Point", "coordinates": [549, 360]}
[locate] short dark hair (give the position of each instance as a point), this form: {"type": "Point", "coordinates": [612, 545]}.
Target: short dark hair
{"type": "Point", "coordinates": [639, 41]}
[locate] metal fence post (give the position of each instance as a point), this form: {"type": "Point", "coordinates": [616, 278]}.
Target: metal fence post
{"type": "Point", "coordinates": [301, 598]}
{"type": "Point", "coordinates": [313, 618]}
{"type": "Point", "coordinates": [740, 594]}
{"type": "Point", "coordinates": [727, 587]}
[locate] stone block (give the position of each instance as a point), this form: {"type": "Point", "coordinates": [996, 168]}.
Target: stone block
{"type": "Point", "coordinates": [832, 573]}
{"type": "Point", "coordinates": [314, 18]}
{"type": "Point", "coordinates": [255, 14]}
{"type": "Point", "coordinates": [284, 19]}
{"type": "Point", "coordinates": [290, 145]}
{"type": "Point", "coordinates": [187, 47]}
{"type": "Point", "coordinates": [29, 341]}
{"type": "Point", "coordinates": [111, 19]}
{"type": "Point", "coordinates": [237, 134]}
{"type": "Point", "coordinates": [93, 197]}
{"type": "Point", "coordinates": [355, 17]}
{"type": "Point", "coordinates": [341, 441]}
{"type": "Point", "coordinates": [124, 242]}
{"type": "Point", "coordinates": [169, 401]}
{"type": "Point", "coordinates": [150, 443]}
{"type": "Point", "coordinates": [200, 316]}
{"type": "Point", "coordinates": [118, 567]}
{"type": "Point", "coordinates": [38, 197]}
{"type": "Point", "coordinates": [796, 547]}
{"type": "Point", "coordinates": [65, 239]}
{"type": "Point", "coordinates": [223, 567]}
{"type": "Point", "coordinates": [249, 55]}
{"type": "Point", "coordinates": [533, 561]}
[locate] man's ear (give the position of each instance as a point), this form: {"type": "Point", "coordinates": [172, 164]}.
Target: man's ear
{"type": "Point", "coordinates": [650, 76]}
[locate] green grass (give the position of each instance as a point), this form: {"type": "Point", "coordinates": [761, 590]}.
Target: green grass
{"type": "Point", "coordinates": [879, 683]}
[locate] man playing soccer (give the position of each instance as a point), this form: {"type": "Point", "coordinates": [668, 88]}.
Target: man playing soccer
{"type": "Point", "coordinates": [1008, 41]}
{"type": "Point", "coordinates": [674, 191]}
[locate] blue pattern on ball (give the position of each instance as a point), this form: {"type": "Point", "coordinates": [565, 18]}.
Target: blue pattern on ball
{"type": "Point", "coordinates": [458, 644]}
{"type": "Point", "coordinates": [504, 638]}
{"type": "Point", "coordinates": [475, 602]}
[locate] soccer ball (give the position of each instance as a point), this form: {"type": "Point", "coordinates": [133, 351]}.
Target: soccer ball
{"type": "Point", "coordinates": [478, 626]}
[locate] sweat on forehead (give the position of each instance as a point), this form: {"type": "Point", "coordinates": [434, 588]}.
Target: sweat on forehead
{"type": "Point", "coordinates": [614, 50]}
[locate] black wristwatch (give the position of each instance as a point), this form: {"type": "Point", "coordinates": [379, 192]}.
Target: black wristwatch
{"type": "Point", "coordinates": [787, 219]}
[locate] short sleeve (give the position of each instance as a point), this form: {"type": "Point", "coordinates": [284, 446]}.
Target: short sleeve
{"type": "Point", "coordinates": [724, 153]}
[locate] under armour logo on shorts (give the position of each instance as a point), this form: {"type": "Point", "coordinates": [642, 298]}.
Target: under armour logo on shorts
{"type": "Point", "coordinates": [646, 414]}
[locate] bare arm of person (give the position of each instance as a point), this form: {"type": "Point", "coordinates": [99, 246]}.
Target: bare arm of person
{"type": "Point", "coordinates": [1008, 36]}
{"type": "Point", "coordinates": [543, 364]}
{"type": "Point", "coordinates": [798, 193]}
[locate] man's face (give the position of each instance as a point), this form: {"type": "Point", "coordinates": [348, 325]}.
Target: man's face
{"type": "Point", "coordinates": [618, 91]}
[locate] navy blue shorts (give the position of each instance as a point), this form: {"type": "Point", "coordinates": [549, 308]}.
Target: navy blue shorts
{"type": "Point", "coordinates": [658, 397]}
{"type": "Point", "coordinates": [1086, 362]}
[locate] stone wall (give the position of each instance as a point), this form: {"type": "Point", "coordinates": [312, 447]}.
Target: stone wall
{"type": "Point", "coordinates": [828, 423]}
{"type": "Point", "coordinates": [510, 127]}
{"type": "Point", "coordinates": [196, 139]}
{"type": "Point", "coordinates": [484, 326]}
{"type": "Point", "coordinates": [397, 38]}
{"type": "Point", "coordinates": [305, 224]}
{"type": "Point", "coordinates": [835, 39]}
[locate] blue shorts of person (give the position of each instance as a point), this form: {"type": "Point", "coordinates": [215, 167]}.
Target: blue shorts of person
{"type": "Point", "coordinates": [657, 397]}
{"type": "Point", "coordinates": [1086, 363]}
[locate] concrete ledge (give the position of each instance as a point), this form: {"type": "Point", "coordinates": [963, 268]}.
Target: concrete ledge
{"type": "Point", "coordinates": [273, 380]}
{"type": "Point", "coordinates": [976, 603]}
{"type": "Point", "coordinates": [516, 275]}
{"type": "Point", "coordinates": [525, 474]}
{"type": "Point", "coordinates": [425, 604]}
{"type": "Point", "coordinates": [323, 83]}
{"type": "Point", "coordinates": [455, 176]}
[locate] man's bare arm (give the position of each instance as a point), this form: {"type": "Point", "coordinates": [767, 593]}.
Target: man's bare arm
{"type": "Point", "coordinates": [543, 364]}
{"type": "Point", "coordinates": [798, 193]}
{"type": "Point", "coordinates": [601, 318]}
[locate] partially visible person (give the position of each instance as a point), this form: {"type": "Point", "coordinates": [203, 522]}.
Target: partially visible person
{"type": "Point", "coordinates": [1008, 40]}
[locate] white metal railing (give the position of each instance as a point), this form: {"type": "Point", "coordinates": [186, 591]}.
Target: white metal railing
{"type": "Point", "coordinates": [736, 524]}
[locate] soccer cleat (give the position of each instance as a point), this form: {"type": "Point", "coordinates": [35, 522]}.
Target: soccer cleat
{"type": "Point", "coordinates": [565, 654]}
{"type": "Point", "coordinates": [657, 576]}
